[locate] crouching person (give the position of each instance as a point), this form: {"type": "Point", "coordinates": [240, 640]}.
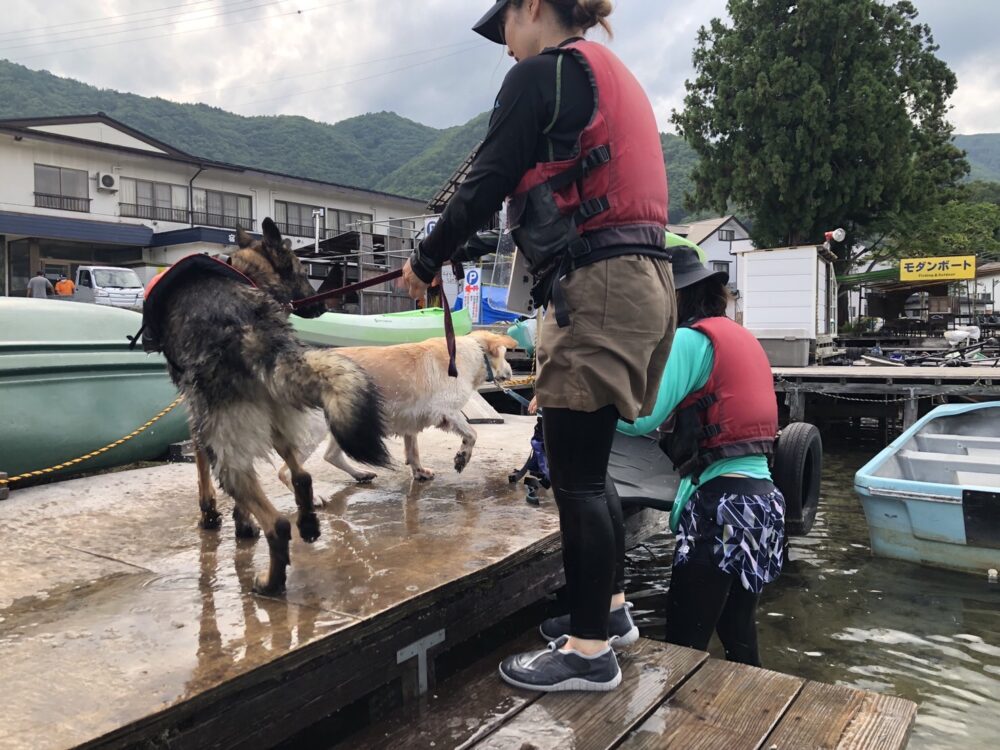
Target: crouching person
{"type": "Point", "coordinates": [718, 393]}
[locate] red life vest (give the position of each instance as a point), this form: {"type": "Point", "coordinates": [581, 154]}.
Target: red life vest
{"type": "Point", "coordinates": [613, 193]}
{"type": "Point", "coordinates": [736, 410]}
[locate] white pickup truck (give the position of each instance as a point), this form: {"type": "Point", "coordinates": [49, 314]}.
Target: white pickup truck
{"type": "Point", "coordinates": [107, 285]}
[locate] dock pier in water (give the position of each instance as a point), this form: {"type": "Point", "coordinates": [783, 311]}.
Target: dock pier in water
{"type": "Point", "coordinates": [887, 393]}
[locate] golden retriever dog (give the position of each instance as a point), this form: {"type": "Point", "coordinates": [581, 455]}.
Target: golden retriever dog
{"type": "Point", "coordinates": [416, 392]}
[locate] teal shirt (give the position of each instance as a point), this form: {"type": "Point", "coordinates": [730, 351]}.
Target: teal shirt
{"type": "Point", "coordinates": [688, 367]}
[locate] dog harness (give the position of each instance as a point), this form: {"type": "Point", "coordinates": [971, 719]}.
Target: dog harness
{"type": "Point", "coordinates": [160, 288]}
{"type": "Point", "coordinates": [609, 200]}
{"type": "Point", "coordinates": [734, 413]}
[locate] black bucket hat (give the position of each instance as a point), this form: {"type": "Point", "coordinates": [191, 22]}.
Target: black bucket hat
{"type": "Point", "coordinates": [489, 25]}
{"type": "Point", "coordinates": [689, 270]}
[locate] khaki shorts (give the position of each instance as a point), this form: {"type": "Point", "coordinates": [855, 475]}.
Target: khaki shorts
{"type": "Point", "coordinates": [622, 316]}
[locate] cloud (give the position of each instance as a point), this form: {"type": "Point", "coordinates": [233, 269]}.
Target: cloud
{"type": "Point", "coordinates": [331, 59]}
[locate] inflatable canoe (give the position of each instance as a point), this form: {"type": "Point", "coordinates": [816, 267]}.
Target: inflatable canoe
{"type": "Point", "coordinates": [343, 329]}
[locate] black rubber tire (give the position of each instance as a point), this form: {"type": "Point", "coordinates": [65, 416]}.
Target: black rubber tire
{"type": "Point", "coordinates": [798, 465]}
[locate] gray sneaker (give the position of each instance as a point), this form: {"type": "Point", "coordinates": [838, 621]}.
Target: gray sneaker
{"type": "Point", "coordinates": [622, 630]}
{"type": "Point", "coordinates": [551, 670]}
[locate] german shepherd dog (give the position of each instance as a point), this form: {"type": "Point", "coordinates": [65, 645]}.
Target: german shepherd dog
{"type": "Point", "coordinates": [249, 388]}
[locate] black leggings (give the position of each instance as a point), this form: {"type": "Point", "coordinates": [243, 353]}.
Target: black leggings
{"type": "Point", "coordinates": [703, 598]}
{"type": "Point", "coordinates": [578, 446]}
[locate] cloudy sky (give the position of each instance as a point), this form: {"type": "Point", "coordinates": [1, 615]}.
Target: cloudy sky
{"type": "Point", "coordinates": [331, 59]}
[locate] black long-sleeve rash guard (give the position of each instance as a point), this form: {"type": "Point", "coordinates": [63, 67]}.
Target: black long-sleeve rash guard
{"type": "Point", "coordinates": [541, 110]}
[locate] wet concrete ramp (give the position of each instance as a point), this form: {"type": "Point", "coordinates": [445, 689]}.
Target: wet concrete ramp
{"type": "Point", "coordinates": [121, 622]}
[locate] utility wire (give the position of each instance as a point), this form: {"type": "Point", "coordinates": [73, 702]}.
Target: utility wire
{"type": "Point", "coordinates": [30, 30]}
{"type": "Point", "coordinates": [359, 80]}
{"type": "Point", "coordinates": [171, 21]}
{"type": "Point", "coordinates": [179, 32]}
{"type": "Point", "coordinates": [334, 69]}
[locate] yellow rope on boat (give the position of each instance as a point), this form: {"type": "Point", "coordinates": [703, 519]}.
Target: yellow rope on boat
{"type": "Point", "coordinates": [522, 382]}
{"type": "Point", "coordinates": [99, 451]}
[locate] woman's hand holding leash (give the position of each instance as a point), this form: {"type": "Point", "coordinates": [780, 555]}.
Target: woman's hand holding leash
{"type": "Point", "coordinates": [415, 287]}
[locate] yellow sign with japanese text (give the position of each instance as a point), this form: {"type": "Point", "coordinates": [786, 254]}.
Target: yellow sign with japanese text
{"type": "Point", "coordinates": [950, 268]}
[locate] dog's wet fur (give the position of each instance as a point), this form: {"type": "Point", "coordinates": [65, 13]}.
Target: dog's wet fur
{"type": "Point", "coordinates": [249, 387]}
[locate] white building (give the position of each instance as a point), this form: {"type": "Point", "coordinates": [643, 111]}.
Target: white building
{"type": "Point", "coordinates": [88, 189]}
{"type": "Point", "coordinates": [721, 238]}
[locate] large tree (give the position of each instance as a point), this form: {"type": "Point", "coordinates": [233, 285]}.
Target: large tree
{"type": "Point", "coordinates": [814, 114]}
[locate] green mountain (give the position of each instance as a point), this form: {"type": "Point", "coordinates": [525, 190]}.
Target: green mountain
{"type": "Point", "coordinates": [359, 151]}
{"type": "Point", "coordinates": [379, 151]}
{"type": "Point", "coordinates": [983, 153]}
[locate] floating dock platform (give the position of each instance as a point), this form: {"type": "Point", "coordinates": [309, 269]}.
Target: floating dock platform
{"type": "Point", "coordinates": [123, 624]}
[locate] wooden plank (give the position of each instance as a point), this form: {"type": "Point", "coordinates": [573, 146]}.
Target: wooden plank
{"type": "Point", "coordinates": [723, 705]}
{"type": "Point", "coordinates": [467, 707]}
{"type": "Point", "coordinates": [479, 411]}
{"type": "Point", "coordinates": [834, 716]}
{"type": "Point", "coordinates": [595, 721]}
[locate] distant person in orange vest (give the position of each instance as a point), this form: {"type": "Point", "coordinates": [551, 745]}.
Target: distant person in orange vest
{"type": "Point", "coordinates": [40, 286]}
{"type": "Point", "coordinates": [65, 286]}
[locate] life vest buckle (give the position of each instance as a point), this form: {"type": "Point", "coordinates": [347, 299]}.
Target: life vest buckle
{"type": "Point", "coordinates": [578, 248]}
{"type": "Point", "coordinates": [596, 157]}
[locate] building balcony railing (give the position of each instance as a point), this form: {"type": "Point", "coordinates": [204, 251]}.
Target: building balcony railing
{"type": "Point", "coordinates": [62, 202]}
{"type": "Point", "coordinates": [223, 221]}
{"type": "Point", "coordinates": [156, 213]}
{"type": "Point", "coordinates": [300, 230]}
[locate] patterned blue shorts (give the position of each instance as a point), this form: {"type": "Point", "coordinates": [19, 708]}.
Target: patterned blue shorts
{"type": "Point", "coordinates": [738, 524]}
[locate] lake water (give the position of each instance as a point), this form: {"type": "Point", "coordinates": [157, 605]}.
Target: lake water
{"type": "Point", "coordinates": [840, 615]}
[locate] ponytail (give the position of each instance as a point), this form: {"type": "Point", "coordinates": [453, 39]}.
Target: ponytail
{"type": "Point", "coordinates": [580, 14]}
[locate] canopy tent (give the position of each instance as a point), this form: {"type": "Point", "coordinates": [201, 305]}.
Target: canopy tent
{"type": "Point", "coordinates": [492, 306]}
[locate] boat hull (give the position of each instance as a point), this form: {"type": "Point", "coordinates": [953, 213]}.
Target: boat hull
{"type": "Point", "coordinates": [897, 529]}
{"type": "Point", "coordinates": [70, 385]}
{"type": "Point", "coordinates": [933, 495]}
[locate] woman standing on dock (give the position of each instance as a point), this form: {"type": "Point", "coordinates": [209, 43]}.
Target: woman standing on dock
{"type": "Point", "coordinates": [718, 393]}
{"type": "Point", "coordinates": [574, 142]}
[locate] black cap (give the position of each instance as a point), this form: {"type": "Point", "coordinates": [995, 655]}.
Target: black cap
{"type": "Point", "coordinates": [489, 25]}
{"type": "Point", "coordinates": [689, 270]}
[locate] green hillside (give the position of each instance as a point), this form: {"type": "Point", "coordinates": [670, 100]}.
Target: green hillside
{"type": "Point", "coordinates": [983, 153]}
{"type": "Point", "coordinates": [359, 151]}
{"type": "Point", "coordinates": [380, 151]}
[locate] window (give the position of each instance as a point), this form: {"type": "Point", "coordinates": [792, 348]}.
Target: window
{"type": "Point", "coordinates": [727, 235]}
{"type": "Point", "coordinates": [402, 228]}
{"type": "Point", "coordinates": [720, 265]}
{"type": "Point", "coordinates": [297, 219]}
{"type": "Point", "coordinates": [160, 201]}
{"type": "Point", "coordinates": [67, 189]}
{"type": "Point", "coordinates": [227, 210]}
{"type": "Point", "coordinates": [85, 278]}
{"type": "Point", "coordinates": [119, 278]}
{"type": "Point", "coordinates": [348, 221]}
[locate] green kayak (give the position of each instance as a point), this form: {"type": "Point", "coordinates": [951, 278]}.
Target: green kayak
{"type": "Point", "coordinates": [70, 385]}
{"type": "Point", "coordinates": [342, 329]}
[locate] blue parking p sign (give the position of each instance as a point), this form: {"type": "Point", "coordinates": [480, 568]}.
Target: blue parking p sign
{"type": "Point", "coordinates": [473, 293]}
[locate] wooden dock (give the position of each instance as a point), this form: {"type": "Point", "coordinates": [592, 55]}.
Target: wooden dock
{"type": "Point", "coordinates": [813, 393]}
{"type": "Point", "coordinates": [122, 624]}
{"type": "Point", "coordinates": [879, 391]}
{"type": "Point", "coordinates": [670, 697]}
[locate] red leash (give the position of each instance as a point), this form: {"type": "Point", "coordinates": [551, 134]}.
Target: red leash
{"type": "Point", "coordinates": [449, 326]}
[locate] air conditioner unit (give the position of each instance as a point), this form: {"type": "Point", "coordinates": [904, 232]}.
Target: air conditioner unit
{"type": "Point", "coordinates": [107, 182]}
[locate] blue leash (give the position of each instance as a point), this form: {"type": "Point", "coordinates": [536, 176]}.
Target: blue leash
{"type": "Point", "coordinates": [492, 378]}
